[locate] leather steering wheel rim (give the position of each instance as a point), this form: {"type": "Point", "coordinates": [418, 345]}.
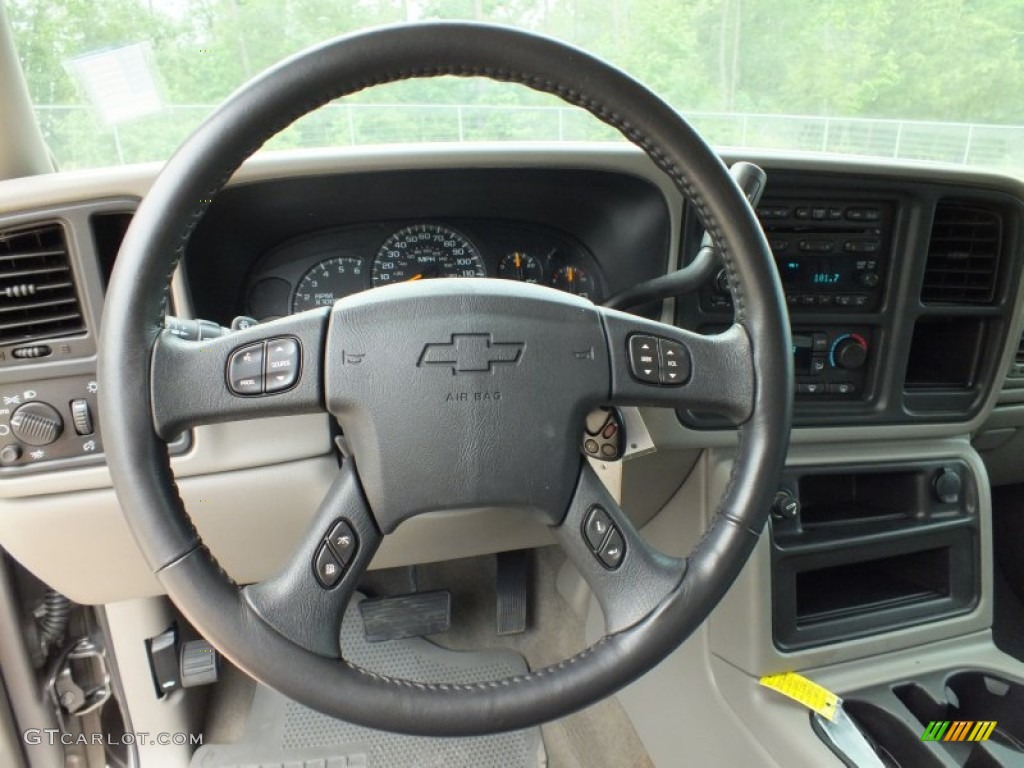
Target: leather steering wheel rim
{"type": "Point", "coordinates": [132, 329]}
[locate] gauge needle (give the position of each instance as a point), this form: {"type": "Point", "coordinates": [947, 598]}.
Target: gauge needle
{"type": "Point", "coordinates": [571, 275]}
{"type": "Point", "coordinates": [519, 262]}
{"type": "Point", "coordinates": [415, 277]}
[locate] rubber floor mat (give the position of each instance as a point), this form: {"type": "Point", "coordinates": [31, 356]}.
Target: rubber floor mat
{"type": "Point", "coordinates": [281, 733]}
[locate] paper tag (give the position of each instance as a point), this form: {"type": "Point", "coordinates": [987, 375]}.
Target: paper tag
{"type": "Point", "coordinates": [804, 691]}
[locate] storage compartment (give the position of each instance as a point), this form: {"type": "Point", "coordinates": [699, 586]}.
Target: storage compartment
{"type": "Point", "coordinates": [944, 353]}
{"type": "Point", "coordinates": [873, 548]}
{"type": "Point", "coordinates": [835, 498]}
{"type": "Point", "coordinates": [826, 594]}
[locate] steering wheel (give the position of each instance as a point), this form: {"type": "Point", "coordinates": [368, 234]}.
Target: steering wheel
{"type": "Point", "coordinates": [453, 394]}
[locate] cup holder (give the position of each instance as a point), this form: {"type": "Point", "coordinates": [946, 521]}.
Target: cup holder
{"type": "Point", "coordinates": [895, 743]}
{"type": "Point", "coordinates": [894, 717]}
{"type": "Point", "coordinates": [975, 696]}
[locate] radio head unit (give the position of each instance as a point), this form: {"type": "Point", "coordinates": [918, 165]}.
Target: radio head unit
{"type": "Point", "coordinates": [831, 256]}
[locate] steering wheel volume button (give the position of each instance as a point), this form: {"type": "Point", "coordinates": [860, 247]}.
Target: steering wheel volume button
{"type": "Point", "coordinates": [327, 568]}
{"type": "Point", "coordinates": [342, 541]}
{"type": "Point", "coordinates": [675, 363]}
{"type": "Point", "coordinates": [245, 370]}
{"type": "Point", "coordinates": [644, 362]}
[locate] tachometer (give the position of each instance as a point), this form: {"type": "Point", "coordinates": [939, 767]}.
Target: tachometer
{"type": "Point", "coordinates": [329, 281]}
{"type": "Point", "coordinates": [574, 280]}
{"type": "Point", "coordinates": [423, 251]}
{"type": "Point", "coordinates": [520, 265]}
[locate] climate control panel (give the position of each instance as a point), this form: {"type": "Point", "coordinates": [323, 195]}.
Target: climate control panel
{"type": "Point", "coordinates": [832, 361]}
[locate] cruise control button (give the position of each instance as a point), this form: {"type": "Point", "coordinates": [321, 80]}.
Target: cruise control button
{"type": "Point", "coordinates": [282, 369]}
{"type": "Point", "coordinates": [326, 567]}
{"type": "Point", "coordinates": [612, 550]}
{"type": "Point", "coordinates": [596, 527]}
{"type": "Point", "coordinates": [245, 370]}
{"type": "Point", "coordinates": [675, 362]}
{"type": "Point", "coordinates": [643, 358]}
{"type": "Point", "coordinates": [342, 541]}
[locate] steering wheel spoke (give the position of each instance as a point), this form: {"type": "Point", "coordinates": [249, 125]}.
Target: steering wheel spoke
{"type": "Point", "coordinates": [271, 369]}
{"type": "Point", "coordinates": [628, 576]}
{"type": "Point", "coordinates": [661, 365]}
{"type": "Point", "coordinates": [305, 600]}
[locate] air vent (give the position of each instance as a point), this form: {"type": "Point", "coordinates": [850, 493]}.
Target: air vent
{"type": "Point", "coordinates": [1018, 360]}
{"type": "Point", "coordinates": [37, 289]}
{"type": "Point", "coordinates": [963, 256]}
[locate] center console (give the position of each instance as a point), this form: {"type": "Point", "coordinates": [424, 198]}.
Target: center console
{"type": "Point", "coordinates": [862, 549]}
{"type": "Point", "coordinates": [899, 295]}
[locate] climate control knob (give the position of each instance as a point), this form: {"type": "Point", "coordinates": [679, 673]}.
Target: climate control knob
{"type": "Point", "coordinates": [36, 423]}
{"type": "Point", "coordinates": [849, 352]}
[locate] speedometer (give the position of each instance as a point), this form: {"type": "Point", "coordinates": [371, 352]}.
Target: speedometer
{"type": "Point", "coordinates": [423, 251]}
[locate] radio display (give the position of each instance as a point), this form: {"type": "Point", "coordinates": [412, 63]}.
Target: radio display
{"type": "Point", "coordinates": [817, 273]}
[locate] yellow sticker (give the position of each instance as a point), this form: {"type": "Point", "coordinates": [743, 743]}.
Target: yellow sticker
{"type": "Point", "coordinates": [807, 692]}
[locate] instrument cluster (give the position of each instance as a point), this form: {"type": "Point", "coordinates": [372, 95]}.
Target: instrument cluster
{"type": "Point", "coordinates": [318, 269]}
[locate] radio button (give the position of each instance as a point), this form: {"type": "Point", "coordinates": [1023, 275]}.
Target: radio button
{"type": "Point", "coordinates": [810, 388]}
{"type": "Point", "coordinates": [842, 388]}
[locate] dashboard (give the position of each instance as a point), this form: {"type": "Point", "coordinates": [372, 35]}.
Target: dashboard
{"type": "Point", "coordinates": [317, 269]}
{"type": "Point", "coordinates": [903, 285]}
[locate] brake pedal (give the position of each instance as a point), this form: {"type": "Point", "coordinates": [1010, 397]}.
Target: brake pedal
{"type": "Point", "coordinates": [392, 618]}
{"type": "Point", "coordinates": [513, 586]}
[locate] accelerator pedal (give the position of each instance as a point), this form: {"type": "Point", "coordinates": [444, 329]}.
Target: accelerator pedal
{"type": "Point", "coordinates": [513, 586]}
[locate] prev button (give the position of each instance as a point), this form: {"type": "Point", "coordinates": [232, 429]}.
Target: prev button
{"type": "Point", "coordinates": [245, 370]}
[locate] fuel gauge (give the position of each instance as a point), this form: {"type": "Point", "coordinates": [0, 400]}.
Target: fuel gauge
{"type": "Point", "coordinates": [519, 265]}
{"type": "Point", "coordinates": [574, 280]}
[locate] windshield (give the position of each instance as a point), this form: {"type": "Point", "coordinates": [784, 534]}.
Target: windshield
{"type": "Point", "coordinates": [125, 81]}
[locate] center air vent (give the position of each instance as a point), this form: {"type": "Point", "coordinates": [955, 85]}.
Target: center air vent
{"type": "Point", "coordinates": [37, 289]}
{"type": "Point", "coordinates": [963, 256]}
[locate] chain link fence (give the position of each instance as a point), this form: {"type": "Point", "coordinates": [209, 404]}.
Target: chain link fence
{"type": "Point", "coordinates": [79, 140]}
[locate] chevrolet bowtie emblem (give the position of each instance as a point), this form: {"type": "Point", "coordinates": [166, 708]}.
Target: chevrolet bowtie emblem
{"type": "Point", "coordinates": [471, 353]}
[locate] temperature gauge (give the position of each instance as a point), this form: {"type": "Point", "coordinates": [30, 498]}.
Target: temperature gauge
{"type": "Point", "coordinates": [519, 265]}
{"type": "Point", "coordinates": [573, 280]}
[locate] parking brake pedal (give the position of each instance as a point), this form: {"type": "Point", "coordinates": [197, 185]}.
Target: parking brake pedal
{"type": "Point", "coordinates": [513, 585]}
{"type": "Point", "coordinates": [392, 618]}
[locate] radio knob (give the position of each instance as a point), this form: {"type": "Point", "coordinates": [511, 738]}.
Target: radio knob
{"type": "Point", "coordinates": [868, 279]}
{"type": "Point", "coordinates": [37, 424]}
{"type": "Point", "coordinates": [850, 353]}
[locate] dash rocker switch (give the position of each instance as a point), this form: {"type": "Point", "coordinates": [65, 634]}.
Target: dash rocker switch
{"type": "Point", "coordinates": [81, 416]}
